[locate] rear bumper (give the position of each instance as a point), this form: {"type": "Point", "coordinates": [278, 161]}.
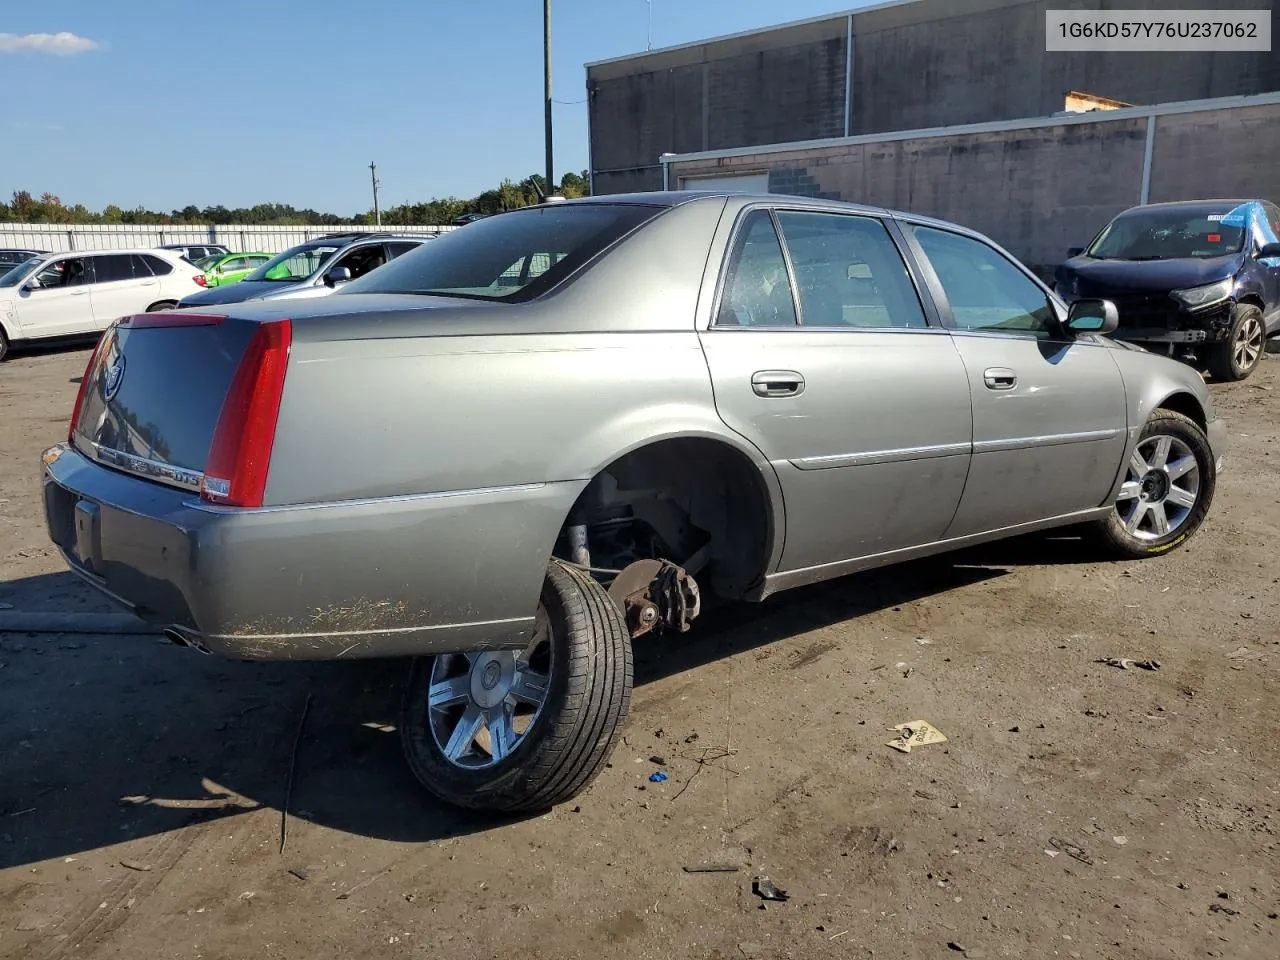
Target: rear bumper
{"type": "Point", "coordinates": [363, 578]}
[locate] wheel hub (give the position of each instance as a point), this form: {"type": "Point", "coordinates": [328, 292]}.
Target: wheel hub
{"type": "Point", "coordinates": [491, 678]}
{"type": "Point", "coordinates": [1155, 486]}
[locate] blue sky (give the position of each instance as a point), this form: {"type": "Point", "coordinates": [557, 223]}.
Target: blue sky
{"type": "Point", "coordinates": [288, 103]}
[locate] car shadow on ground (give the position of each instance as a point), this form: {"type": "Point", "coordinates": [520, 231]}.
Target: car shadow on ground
{"type": "Point", "coordinates": [111, 738]}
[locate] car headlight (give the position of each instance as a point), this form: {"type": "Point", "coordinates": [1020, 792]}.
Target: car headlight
{"type": "Point", "coordinates": [1194, 298]}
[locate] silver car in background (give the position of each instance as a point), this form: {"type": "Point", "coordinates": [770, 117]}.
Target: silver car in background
{"type": "Point", "coordinates": [516, 449]}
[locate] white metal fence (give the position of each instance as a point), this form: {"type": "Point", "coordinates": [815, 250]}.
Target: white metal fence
{"type": "Point", "coordinates": [59, 237]}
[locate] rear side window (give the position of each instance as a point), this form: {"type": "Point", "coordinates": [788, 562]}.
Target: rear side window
{"type": "Point", "coordinates": [158, 267]}
{"type": "Point", "coordinates": [513, 256]}
{"type": "Point", "coordinates": [112, 267]}
{"type": "Point", "coordinates": [396, 248]}
{"type": "Point", "coordinates": [757, 292]}
{"type": "Point", "coordinates": [848, 272]}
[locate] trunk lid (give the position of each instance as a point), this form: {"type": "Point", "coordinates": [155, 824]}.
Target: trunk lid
{"type": "Point", "coordinates": [154, 392]}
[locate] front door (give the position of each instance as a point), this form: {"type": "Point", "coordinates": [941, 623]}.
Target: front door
{"type": "Point", "coordinates": [58, 304]}
{"type": "Point", "coordinates": [1268, 231]}
{"type": "Point", "coordinates": [861, 406]}
{"type": "Point", "coordinates": [1049, 411]}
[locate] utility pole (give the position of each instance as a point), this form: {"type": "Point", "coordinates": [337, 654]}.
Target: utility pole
{"type": "Point", "coordinates": [549, 185]}
{"type": "Point", "coordinates": [649, 37]}
{"type": "Point", "coordinates": [373, 175]}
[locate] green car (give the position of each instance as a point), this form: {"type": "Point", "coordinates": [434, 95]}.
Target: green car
{"type": "Point", "coordinates": [219, 271]}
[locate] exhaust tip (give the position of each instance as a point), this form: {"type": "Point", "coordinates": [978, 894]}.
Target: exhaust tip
{"type": "Point", "coordinates": [185, 639]}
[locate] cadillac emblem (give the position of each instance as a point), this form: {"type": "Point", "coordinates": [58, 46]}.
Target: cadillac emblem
{"type": "Point", "coordinates": [113, 375]}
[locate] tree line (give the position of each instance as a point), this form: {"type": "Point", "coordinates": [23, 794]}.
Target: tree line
{"type": "Point", "coordinates": [509, 195]}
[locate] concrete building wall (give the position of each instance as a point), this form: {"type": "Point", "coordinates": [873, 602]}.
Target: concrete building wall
{"type": "Point", "coordinates": [1035, 190]}
{"type": "Point", "coordinates": [914, 65]}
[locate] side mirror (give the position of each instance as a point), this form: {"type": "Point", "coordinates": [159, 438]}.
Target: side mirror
{"type": "Point", "coordinates": [1074, 252]}
{"type": "Point", "coordinates": [32, 284]}
{"type": "Point", "coordinates": [1093, 316]}
{"type": "Point", "coordinates": [1269, 250]}
{"type": "Point", "coordinates": [337, 275]}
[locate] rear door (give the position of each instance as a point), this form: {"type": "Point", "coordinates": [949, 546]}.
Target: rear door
{"type": "Point", "coordinates": [1049, 412]}
{"type": "Point", "coordinates": [120, 287]}
{"type": "Point", "coordinates": [60, 306]}
{"type": "Point", "coordinates": [821, 354]}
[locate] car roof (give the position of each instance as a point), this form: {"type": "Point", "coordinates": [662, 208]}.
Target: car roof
{"type": "Point", "coordinates": [1191, 206]}
{"type": "Point", "coordinates": [674, 198]}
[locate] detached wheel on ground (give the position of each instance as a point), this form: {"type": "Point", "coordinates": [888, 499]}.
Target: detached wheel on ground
{"type": "Point", "coordinates": [512, 730]}
{"type": "Point", "coordinates": [1239, 355]}
{"type": "Point", "coordinates": [1167, 489]}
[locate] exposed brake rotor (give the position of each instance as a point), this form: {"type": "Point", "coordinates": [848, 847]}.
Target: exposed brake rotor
{"type": "Point", "coordinates": [656, 595]}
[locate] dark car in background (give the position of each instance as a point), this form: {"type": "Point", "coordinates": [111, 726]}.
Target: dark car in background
{"type": "Point", "coordinates": [10, 257]}
{"type": "Point", "coordinates": [1197, 279]}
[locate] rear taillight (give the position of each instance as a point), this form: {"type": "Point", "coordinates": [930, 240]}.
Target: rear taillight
{"type": "Point", "coordinates": [90, 371]}
{"type": "Point", "coordinates": [199, 278]}
{"type": "Point", "coordinates": [235, 473]}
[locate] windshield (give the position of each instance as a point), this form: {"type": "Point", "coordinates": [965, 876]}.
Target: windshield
{"type": "Point", "coordinates": [512, 256]}
{"type": "Point", "coordinates": [296, 263]}
{"type": "Point", "coordinates": [21, 272]}
{"type": "Point", "coordinates": [1172, 234]}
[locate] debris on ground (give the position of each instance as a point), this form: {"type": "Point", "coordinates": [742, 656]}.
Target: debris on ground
{"type": "Point", "coordinates": [765, 889]}
{"type": "Point", "coordinates": [711, 868]}
{"type": "Point", "coordinates": [135, 865]}
{"type": "Point", "coordinates": [923, 641]}
{"type": "Point", "coordinates": [299, 872]}
{"type": "Point", "coordinates": [660, 761]}
{"type": "Point", "coordinates": [658, 776]}
{"type": "Point", "coordinates": [1071, 850]}
{"type": "Point", "coordinates": [1124, 663]}
{"type": "Point", "coordinates": [917, 733]}
{"type": "Point", "coordinates": [1225, 910]}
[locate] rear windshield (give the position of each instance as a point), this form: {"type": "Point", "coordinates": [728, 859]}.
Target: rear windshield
{"type": "Point", "coordinates": [513, 256]}
{"type": "Point", "coordinates": [1172, 234]}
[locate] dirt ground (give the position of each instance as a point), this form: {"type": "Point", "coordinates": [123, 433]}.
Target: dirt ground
{"type": "Point", "coordinates": [1077, 810]}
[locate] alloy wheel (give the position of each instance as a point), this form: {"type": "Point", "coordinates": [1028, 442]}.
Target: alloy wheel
{"type": "Point", "coordinates": [1249, 342]}
{"type": "Point", "coordinates": [1161, 488]}
{"type": "Point", "coordinates": [483, 703]}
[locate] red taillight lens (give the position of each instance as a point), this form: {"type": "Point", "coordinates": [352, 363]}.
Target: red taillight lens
{"type": "Point", "coordinates": [162, 318]}
{"type": "Point", "coordinates": [199, 278]}
{"type": "Point", "coordinates": [235, 473]}
{"type": "Point", "coordinates": [90, 371]}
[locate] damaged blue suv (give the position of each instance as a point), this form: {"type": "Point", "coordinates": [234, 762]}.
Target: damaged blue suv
{"type": "Point", "coordinates": [1197, 279]}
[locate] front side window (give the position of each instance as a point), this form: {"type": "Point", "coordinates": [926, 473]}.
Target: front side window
{"type": "Point", "coordinates": [72, 272]}
{"type": "Point", "coordinates": [510, 257]}
{"type": "Point", "coordinates": [985, 291]}
{"type": "Point", "coordinates": [848, 272]}
{"type": "Point", "coordinates": [757, 292]}
{"type": "Point", "coordinates": [361, 260]}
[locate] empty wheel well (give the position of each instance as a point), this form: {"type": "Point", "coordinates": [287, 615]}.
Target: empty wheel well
{"type": "Point", "coordinates": [1187, 405]}
{"type": "Point", "coordinates": [696, 502]}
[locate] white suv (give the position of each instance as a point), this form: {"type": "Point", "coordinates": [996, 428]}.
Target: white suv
{"type": "Point", "coordinates": [76, 294]}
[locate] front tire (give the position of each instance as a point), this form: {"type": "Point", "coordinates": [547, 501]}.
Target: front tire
{"type": "Point", "coordinates": [1168, 488]}
{"type": "Point", "coordinates": [516, 731]}
{"type": "Point", "coordinates": [4, 345]}
{"type": "Point", "coordinates": [1239, 355]}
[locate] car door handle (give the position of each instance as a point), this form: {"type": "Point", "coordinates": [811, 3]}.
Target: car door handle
{"type": "Point", "coordinates": [77, 293]}
{"type": "Point", "coordinates": [777, 383]}
{"type": "Point", "coordinates": [999, 378]}
{"type": "Point", "coordinates": [147, 283]}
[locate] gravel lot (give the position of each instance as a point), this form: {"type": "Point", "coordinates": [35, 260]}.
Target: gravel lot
{"type": "Point", "coordinates": [1077, 810]}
